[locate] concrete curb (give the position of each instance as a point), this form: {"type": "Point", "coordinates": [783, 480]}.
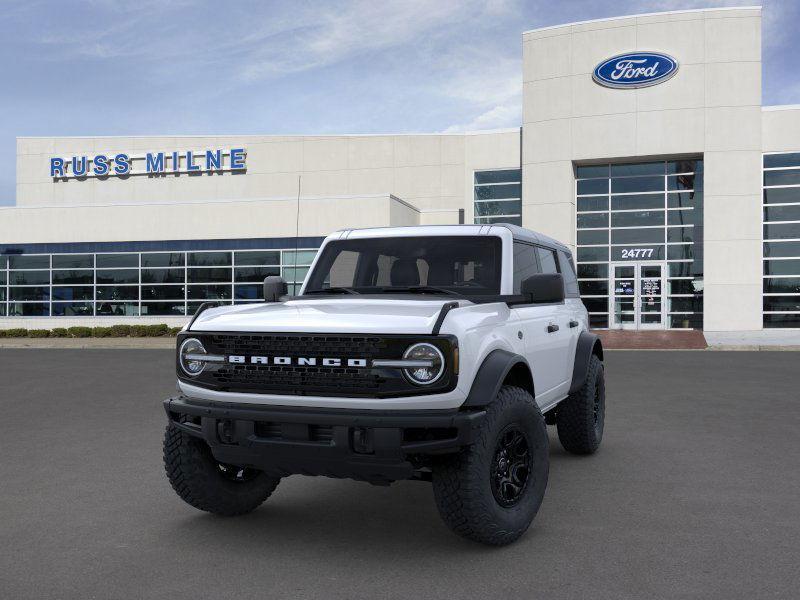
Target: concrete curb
{"type": "Point", "coordinates": [88, 343]}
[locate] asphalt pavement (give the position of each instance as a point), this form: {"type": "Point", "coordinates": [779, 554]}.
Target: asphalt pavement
{"type": "Point", "coordinates": [695, 493]}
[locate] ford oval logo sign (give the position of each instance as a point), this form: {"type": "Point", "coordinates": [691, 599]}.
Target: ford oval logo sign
{"type": "Point", "coordinates": [635, 70]}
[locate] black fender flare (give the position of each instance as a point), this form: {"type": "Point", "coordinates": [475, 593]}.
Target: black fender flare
{"type": "Point", "coordinates": [491, 375]}
{"type": "Point", "coordinates": [588, 344]}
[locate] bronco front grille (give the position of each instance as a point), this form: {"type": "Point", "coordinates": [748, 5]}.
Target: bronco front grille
{"type": "Point", "coordinates": [313, 380]}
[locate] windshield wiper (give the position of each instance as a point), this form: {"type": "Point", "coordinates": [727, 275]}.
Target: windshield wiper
{"type": "Point", "coordinates": [332, 290]}
{"type": "Point", "coordinates": [420, 289]}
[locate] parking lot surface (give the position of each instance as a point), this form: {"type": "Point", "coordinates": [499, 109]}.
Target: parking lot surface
{"type": "Point", "coordinates": [694, 494]}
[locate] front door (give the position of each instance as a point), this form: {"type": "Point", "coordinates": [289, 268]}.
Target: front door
{"type": "Point", "coordinates": [637, 290]}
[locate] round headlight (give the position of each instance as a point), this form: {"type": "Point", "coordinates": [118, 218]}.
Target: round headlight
{"type": "Point", "coordinates": [187, 356]}
{"type": "Point", "coordinates": [424, 352]}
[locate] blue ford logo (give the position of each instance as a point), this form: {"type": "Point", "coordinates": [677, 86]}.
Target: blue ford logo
{"type": "Point", "coordinates": [635, 70]}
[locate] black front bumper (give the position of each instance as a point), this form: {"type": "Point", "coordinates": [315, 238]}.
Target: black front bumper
{"type": "Point", "coordinates": [375, 446]}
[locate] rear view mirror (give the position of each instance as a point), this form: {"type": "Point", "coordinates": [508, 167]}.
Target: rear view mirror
{"type": "Point", "coordinates": [544, 287]}
{"type": "Point", "coordinates": [274, 288]}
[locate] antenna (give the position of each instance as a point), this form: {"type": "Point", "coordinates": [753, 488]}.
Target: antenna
{"type": "Point", "coordinates": [296, 235]}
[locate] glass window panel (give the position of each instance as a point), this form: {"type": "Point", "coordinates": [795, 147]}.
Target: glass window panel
{"type": "Point", "coordinates": [680, 269]}
{"type": "Point", "coordinates": [548, 262]}
{"type": "Point", "coordinates": [782, 231]}
{"type": "Point", "coordinates": [73, 309]}
{"type": "Point", "coordinates": [774, 321]}
{"type": "Point", "coordinates": [782, 249]}
{"type": "Point", "coordinates": [637, 219]}
{"type": "Point", "coordinates": [2, 294]}
{"type": "Point", "coordinates": [209, 292]}
{"type": "Point", "coordinates": [162, 292]}
{"type": "Point", "coordinates": [498, 176]}
{"type": "Point", "coordinates": [789, 159]}
{"type": "Point", "coordinates": [782, 303]}
{"type": "Point", "coordinates": [118, 276]}
{"type": "Point", "coordinates": [788, 177]}
{"type": "Point", "coordinates": [117, 260]}
{"type": "Point", "coordinates": [490, 220]}
{"type": "Point", "coordinates": [685, 304]}
{"type": "Point", "coordinates": [73, 261]}
{"type": "Point", "coordinates": [684, 166]}
{"type": "Point", "coordinates": [500, 207]}
{"type": "Point", "coordinates": [29, 262]}
{"type": "Point", "coordinates": [595, 304]}
{"type": "Point", "coordinates": [782, 267]}
{"type": "Point", "coordinates": [598, 321]}
{"type": "Point", "coordinates": [637, 202]}
{"type": "Point", "coordinates": [163, 275]}
{"type": "Point", "coordinates": [592, 271]}
{"type": "Point", "coordinates": [593, 236]}
{"type": "Point", "coordinates": [257, 257]}
{"type": "Point", "coordinates": [680, 252]}
{"type": "Point", "coordinates": [597, 203]}
{"type": "Point", "coordinates": [685, 200]}
{"type": "Point", "coordinates": [591, 171]}
{"type": "Point", "coordinates": [73, 277]}
{"type": "Point", "coordinates": [782, 285]}
{"type": "Point", "coordinates": [3, 262]}
{"type": "Point", "coordinates": [636, 184]}
{"type": "Point", "coordinates": [191, 307]}
{"type": "Point", "coordinates": [684, 182]}
{"type": "Point", "coordinates": [685, 286]}
{"type": "Point", "coordinates": [568, 271]}
{"type": "Point", "coordinates": [593, 220]}
{"type": "Point", "coordinates": [525, 264]}
{"type": "Point", "coordinates": [592, 186]}
{"type": "Point", "coordinates": [637, 236]}
{"type": "Point", "coordinates": [680, 234]}
{"type": "Point", "coordinates": [293, 275]}
{"type": "Point", "coordinates": [254, 274]}
{"type": "Point", "coordinates": [249, 292]}
{"type": "Point", "coordinates": [117, 309]}
{"type": "Point", "coordinates": [162, 308]}
{"type": "Point", "coordinates": [596, 254]}
{"type": "Point", "coordinates": [84, 292]}
{"type": "Point", "coordinates": [648, 168]}
{"type": "Point", "coordinates": [28, 309]}
{"type": "Point", "coordinates": [117, 292]}
{"type": "Point", "coordinates": [686, 321]}
{"type": "Point", "coordinates": [782, 213]}
{"type": "Point", "coordinates": [593, 288]}
{"type": "Point", "coordinates": [209, 275]}
{"type": "Point", "coordinates": [29, 277]}
{"type": "Point", "coordinates": [682, 217]}
{"type": "Point", "coordinates": [2, 310]}
{"type": "Point", "coordinates": [163, 259]}
{"type": "Point", "coordinates": [304, 257]}
{"type": "Point", "coordinates": [2, 277]}
{"type": "Point", "coordinates": [495, 192]}
{"type": "Point", "coordinates": [209, 259]}
{"type": "Point", "coordinates": [29, 293]}
{"type": "Point", "coordinates": [638, 252]}
{"type": "Point", "coordinates": [782, 195]}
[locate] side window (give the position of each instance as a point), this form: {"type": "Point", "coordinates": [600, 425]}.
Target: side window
{"type": "Point", "coordinates": [570, 279]}
{"type": "Point", "coordinates": [525, 264]}
{"type": "Point", "coordinates": [547, 259]}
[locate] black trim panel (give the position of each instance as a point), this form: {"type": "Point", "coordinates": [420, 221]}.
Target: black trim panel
{"type": "Point", "coordinates": [491, 375]}
{"type": "Point", "coordinates": [588, 344]}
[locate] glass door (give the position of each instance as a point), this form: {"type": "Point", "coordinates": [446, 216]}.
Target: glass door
{"type": "Point", "coordinates": [637, 295]}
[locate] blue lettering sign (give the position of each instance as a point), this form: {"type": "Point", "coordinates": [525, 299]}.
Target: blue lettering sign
{"type": "Point", "coordinates": [635, 70]}
{"type": "Point", "coordinates": [79, 166]}
{"type": "Point", "coordinates": [190, 166]}
{"type": "Point", "coordinates": [176, 162]}
{"type": "Point", "coordinates": [213, 160]}
{"type": "Point", "coordinates": [154, 163]}
{"type": "Point", "coordinates": [123, 165]}
{"type": "Point", "coordinates": [56, 167]}
{"type": "Point", "coordinates": [100, 164]}
{"type": "Point", "coordinates": [237, 159]}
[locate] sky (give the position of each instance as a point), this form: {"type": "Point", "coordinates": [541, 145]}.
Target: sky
{"type": "Point", "coordinates": [161, 67]}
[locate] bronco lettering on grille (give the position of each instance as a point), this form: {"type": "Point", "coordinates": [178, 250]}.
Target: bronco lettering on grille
{"type": "Point", "coordinates": [310, 361]}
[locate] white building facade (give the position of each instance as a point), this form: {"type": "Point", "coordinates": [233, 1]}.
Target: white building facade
{"type": "Point", "coordinates": [644, 146]}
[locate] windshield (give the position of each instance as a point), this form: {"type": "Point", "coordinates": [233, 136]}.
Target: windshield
{"type": "Point", "coordinates": [464, 265]}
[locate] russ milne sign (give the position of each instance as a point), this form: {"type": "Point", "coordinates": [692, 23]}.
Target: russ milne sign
{"type": "Point", "coordinates": [635, 70]}
{"type": "Point", "coordinates": [151, 163]}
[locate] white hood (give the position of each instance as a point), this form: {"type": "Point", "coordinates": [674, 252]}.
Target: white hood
{"type": "Point", "coordinates": [330, 315]}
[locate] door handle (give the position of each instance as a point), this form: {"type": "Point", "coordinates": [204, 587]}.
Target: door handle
{"type": "Point", "coordinates": [552, 328]}
{"type": "Point", "coordinates": [573, 323]}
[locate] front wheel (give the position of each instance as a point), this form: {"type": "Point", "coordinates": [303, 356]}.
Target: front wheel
{"type": "Point", "coordinates": [209, 485]}
{"type": "Point", "coordinates": [491, 491]}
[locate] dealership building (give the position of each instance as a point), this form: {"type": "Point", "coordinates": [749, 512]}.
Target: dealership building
{"type": "Point", "coordinates": [644, 146]}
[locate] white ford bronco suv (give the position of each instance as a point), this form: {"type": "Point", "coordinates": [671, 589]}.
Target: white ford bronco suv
{"type": "Point", "coordinates": [435, 353]}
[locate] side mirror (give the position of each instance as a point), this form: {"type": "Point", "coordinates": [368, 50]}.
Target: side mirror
{"type": "Point", "coordinates": [544, 288]}
{"type": "Point", "coordinates": [274, 288]}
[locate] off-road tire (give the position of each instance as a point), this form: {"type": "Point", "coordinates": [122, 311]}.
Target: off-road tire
{"type": "Point", "coordinates": [462, 483]}
{"type": "Point", "coordinates": [581, 417]}
{"type": "Point", "coordinates": [200, 480]}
